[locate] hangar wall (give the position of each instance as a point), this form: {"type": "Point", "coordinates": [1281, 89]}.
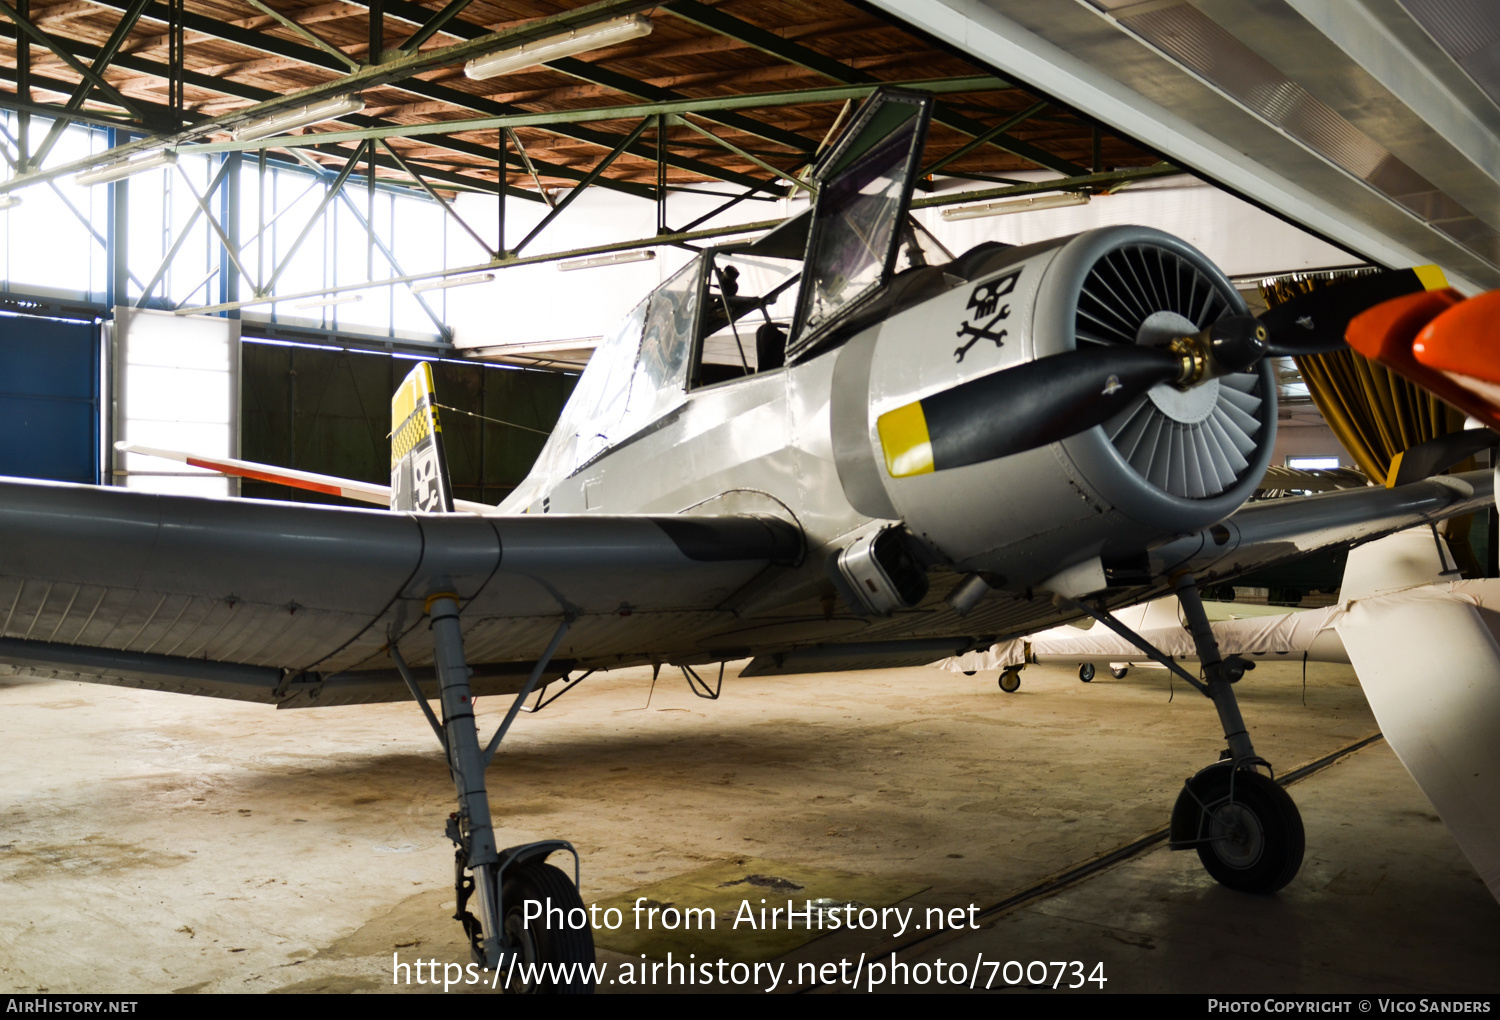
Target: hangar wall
{"type": "Point", "coordinates": [49, 398]}
{"type": "Point", "coordinates": [328, 410]}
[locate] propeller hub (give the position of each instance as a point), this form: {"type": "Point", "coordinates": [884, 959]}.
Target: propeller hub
{"type": "Point", "coordinates": [1235, 343]}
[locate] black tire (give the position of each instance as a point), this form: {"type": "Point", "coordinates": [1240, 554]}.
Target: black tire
{"type": "Point", "coordinates": [1260, 838]}
{"type": "Point", "coordinates": [1086, 672]}
{"type": "Point", "coordinates": [537, 943]}
{"type": "Point", "coordinates": [1010, 681]}
{"type": "Point", "coordinates": [1118, 672]}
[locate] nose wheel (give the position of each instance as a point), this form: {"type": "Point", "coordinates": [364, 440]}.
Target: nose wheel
{"type": "Point", "coordinates": [1246, 829]}
{"type": "Point", "coordinates": [1010, 681]}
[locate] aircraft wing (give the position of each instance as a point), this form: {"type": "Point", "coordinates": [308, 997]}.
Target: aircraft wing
{"type": "Point", "coordinates": [296, 604]}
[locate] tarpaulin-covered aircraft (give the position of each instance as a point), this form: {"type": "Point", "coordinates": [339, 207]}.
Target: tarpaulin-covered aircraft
{"type": "Point", "coordinates": [834, 447]}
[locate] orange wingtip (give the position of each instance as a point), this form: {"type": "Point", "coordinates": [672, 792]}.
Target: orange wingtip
{"type": "Point", "coordinates": [1386, 331]}
{"type": "Point", "coordinates": [1464, 339]}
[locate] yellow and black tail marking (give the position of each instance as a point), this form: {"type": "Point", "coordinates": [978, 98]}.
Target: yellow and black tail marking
{"type": "Point", "coordinates": [419, 469]}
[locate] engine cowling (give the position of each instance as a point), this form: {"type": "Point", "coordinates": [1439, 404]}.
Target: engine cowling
{"type": "Point", "coordinates": [1172, 461]}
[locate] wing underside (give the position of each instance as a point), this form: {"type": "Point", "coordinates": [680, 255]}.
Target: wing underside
{"type": "Point", "coordinates": [298, 604]}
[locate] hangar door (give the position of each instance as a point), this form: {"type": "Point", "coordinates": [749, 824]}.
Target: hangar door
{"type": "Point", "coordinates": [49, 398]}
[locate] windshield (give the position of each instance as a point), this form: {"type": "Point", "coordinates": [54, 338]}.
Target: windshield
{"type": "Point", "coordinates": [637, 374]}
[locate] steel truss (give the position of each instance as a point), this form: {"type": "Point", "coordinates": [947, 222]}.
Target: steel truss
{"type": "Point", "coordinates": [668, 130]}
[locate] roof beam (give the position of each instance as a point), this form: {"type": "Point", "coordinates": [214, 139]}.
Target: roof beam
{"type": "Point", "coordinates": [161, 115]}
{"type": "Point", "coordinates": [830, 94]}
{"type": "Point", "coordinates": [80, 93]}
{"type": "Point", "coordinates": [716, 20]}
{"type": "Point", "coordinates": [415, 12]}
{"type": "Point", "coordinates": [57, 47]}
{"type": "Point", "coordinates": [432, 90]}
{"type": "Point", "coordinates": [368, 77]}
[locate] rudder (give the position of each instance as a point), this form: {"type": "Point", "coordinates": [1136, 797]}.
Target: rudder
{"type": "Point", "coordinates": [419, 468]}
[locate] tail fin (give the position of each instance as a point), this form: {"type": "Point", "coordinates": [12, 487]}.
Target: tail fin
{"type": "Point", "coordinates": [419, 469]}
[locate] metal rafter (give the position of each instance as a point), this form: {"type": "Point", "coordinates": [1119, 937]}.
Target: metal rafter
{"type": "Point", "coordinates": [594, 175]}
{"type": "Point", "coordinates": [241, 91]}
{"type": "Point", "coordinates": [433, 25]}
{"type": "Point", "coordinates": [1086, 181]}
{"type": "Point", "coordinates": [731, 147]}
{"type": "Point", "coordinates": [768, 42]}
{"type": "Point", "coordinates": [56, 46]}
{"type": "Point", "coordinates": [414, 12]}
{"type": "Point", "coordinates": [368, 77]}
{"type": "Point", "coordinates": [182, 237]}
{"type": "Point", "coordinates": [631, 111]}
{"type": "Point", "coordinates": [390, 256]}
{"type": "Point", "coordinates": [312, 220]}
{"type": "Point", "coordinates": [432, 194]}
{"type": "Point", "coordinates": [999, 129]}
{"type": "Point", "coordinates": [430, 90]}
{"type": "Point", "coordinates": [84, 87]}
{"type": "Point", "coordinates": [308, 34]}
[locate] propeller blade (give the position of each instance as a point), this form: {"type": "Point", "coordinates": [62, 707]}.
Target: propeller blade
{"type": "Point", "coordinates": [1437, 455]}
{"type": "Point", "coordinates": [1052, 398]}
{"type": "Point", "coordinates": [1314, 323]}
{"type": "Point", "coordinates": [1019, 408]}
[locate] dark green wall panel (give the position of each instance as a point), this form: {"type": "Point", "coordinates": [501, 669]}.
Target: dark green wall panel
{"type": "Point", "coordinates": [329, 411]}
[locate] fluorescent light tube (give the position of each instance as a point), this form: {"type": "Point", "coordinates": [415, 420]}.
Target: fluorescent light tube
{"type": "Point", "coordinates": [125, 168]}
{"type": "Point", "coordinates": [451, 281]}
{"type": "Point", "coordinates": [970, 212]}
{"type": "Point", "coordinates": [323, 302]}
{"type": "Point", "coordinates": [640, 255]}
{"type": "Point", "coordinates": [579, 40]}
{"type": "Point", "coordinates": [302, 116]}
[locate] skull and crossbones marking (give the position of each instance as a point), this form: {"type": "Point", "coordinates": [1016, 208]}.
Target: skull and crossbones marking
{"type": "Point", "coordinates": [985, 312]}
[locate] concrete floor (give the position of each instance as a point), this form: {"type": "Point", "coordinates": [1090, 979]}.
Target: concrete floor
{"type": "Point", "coordinates": [153, 842]}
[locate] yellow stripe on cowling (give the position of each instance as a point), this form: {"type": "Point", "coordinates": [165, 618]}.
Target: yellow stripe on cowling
{"type": "Point", "coordinates": [903, 436]}
{"type": "Point", "coordinates": [1431, 277]}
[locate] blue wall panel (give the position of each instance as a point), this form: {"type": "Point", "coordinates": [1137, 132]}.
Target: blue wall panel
{"type": "Point", "coordinates": [49, 399]}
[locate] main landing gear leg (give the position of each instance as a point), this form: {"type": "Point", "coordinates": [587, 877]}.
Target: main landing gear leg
{"type": "Point", "coordinates": [503, 881]}
{"type": "Point", "coordinates": [1246, 829]}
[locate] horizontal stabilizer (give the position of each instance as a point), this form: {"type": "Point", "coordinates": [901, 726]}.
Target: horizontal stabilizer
{"type": "Point", "coordinates": [349, 488]}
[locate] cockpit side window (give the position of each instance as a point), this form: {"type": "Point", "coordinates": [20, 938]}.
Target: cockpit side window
{"type": "Point", "coordinates": [747, 306]}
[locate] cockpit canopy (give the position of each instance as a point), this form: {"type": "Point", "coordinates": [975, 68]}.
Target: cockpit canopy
{"type": "Point", "coordinates": [737, 310]}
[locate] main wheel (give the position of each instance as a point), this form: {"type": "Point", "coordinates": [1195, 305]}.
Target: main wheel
{"type": "Point", "coordinates": [1086, 672]}
{"type": "Point", "coordinates": [1250, 838]}
{"type": "Point", "coordinates": [1010, 681]}
{"type": "Point", "coordinates": [569, 950]}
{"type": "Point", "coordinates": [1118, 672]}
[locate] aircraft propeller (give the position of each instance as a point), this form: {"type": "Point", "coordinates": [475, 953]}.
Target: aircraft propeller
{"type": "Point", "coordinates": [1061, 395]}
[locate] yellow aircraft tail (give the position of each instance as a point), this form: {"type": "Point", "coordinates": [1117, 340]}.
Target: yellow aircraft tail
{"type": "Point", "coordinates": [419, 469]}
